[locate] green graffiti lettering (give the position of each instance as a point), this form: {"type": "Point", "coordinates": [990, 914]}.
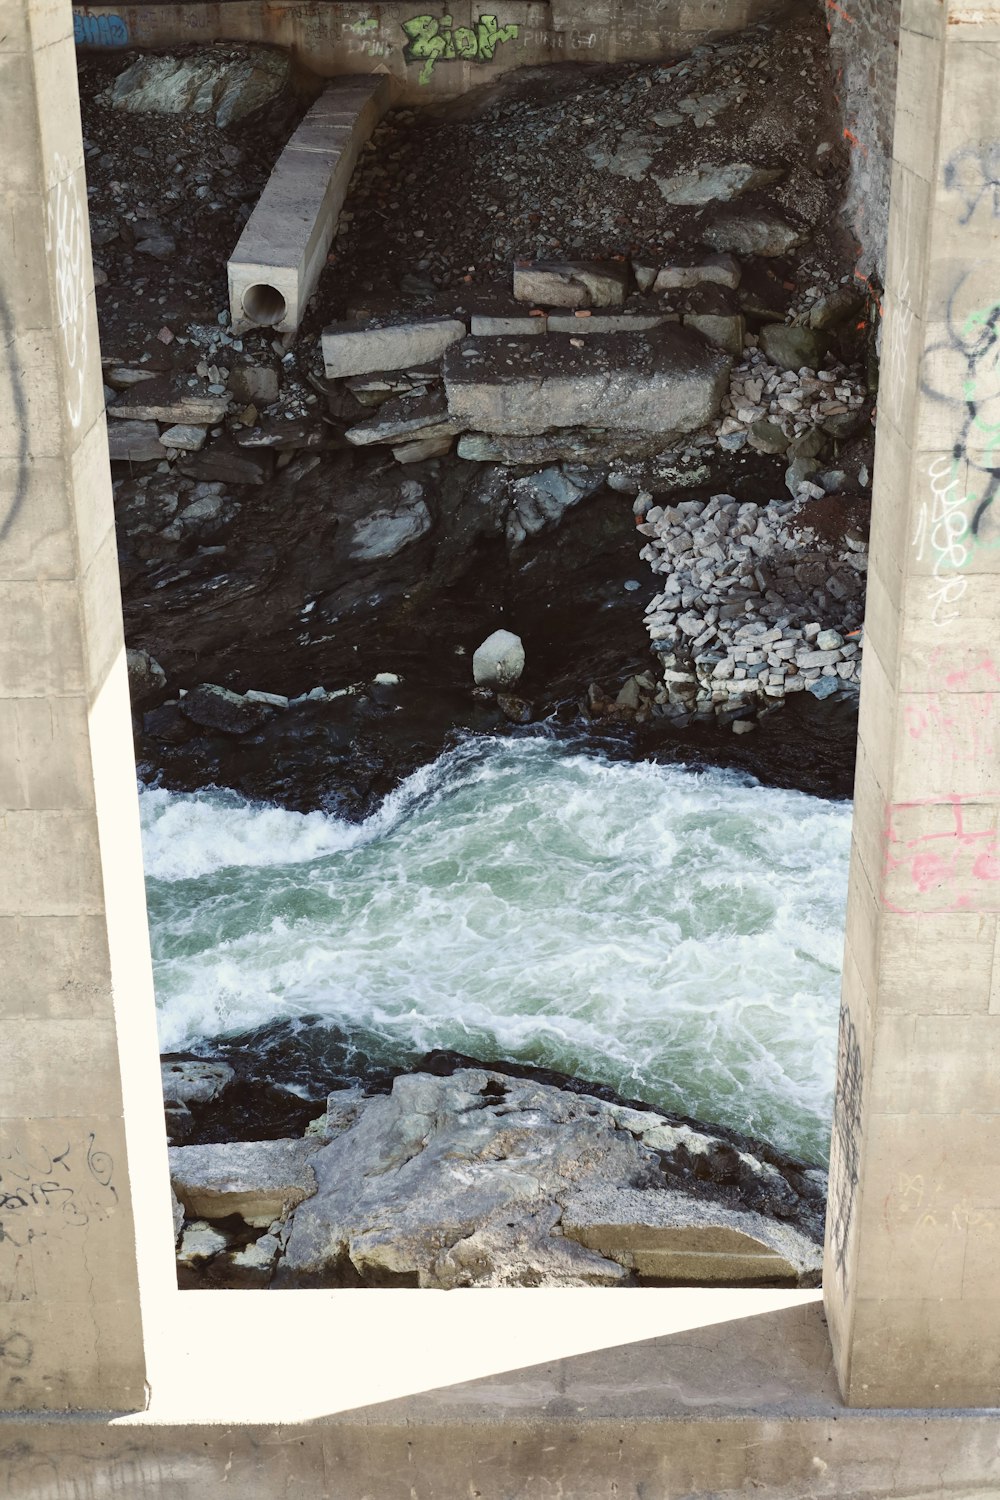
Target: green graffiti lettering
{"type": "Point", "coordinates": [491, 36]}
{"type": "Point", "coordinates": [466, 43]}
{"type": "Point", "coordinates": [430, 41]}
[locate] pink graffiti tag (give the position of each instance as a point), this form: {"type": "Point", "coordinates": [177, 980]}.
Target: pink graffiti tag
{"type": "Point", "coordinates": [954, 867]}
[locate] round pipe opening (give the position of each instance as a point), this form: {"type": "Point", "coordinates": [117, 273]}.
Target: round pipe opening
{"type": "Point", "coordinates": [264, 304]}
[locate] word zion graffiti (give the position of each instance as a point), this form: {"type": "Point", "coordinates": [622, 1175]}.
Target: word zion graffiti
{"type": "Point", "coordinates": [431, 40]}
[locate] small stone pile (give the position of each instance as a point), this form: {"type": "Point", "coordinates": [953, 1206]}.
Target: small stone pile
{"type": "Point", "coordinates": [779, 410]}
{"type": "Point", "coordinates": [753, 607]}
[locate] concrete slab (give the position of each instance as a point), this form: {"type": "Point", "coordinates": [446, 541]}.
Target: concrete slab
{"type": "Point", "coordinates": [370, 348]}
{"type": "Point", "coordinates": [276, 264]}
{"type": "Point", "coordinates": [666, 381]}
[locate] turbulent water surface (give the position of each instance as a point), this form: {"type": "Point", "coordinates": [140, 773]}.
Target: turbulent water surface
{"type": "Point", "coordinates": [674, 934]}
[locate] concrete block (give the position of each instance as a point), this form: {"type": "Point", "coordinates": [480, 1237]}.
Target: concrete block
{"type": "Point", "coordinates": [522, 325]}
{"type": "Point", "coordinates": [364, 348]}
{"type": "Point", "coordinates": [665, 381]}
{"type": "Point", "coordinates": [134, 442]}
{"type": "Point", "coordinates": [276, 264]}
{"type": "Point", "coordinates": [607, 322]}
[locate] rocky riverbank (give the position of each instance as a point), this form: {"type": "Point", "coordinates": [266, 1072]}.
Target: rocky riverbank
{"type": "Point", "coordinates": [480, 1176]}
{"type": "Point", "coordinates": [287, 538]}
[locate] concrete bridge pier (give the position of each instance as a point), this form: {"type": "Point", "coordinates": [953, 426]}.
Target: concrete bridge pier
{"type": "Point", "coordinates": [913, 1245]}
{"type": "Point", "coordinates": [74, 963]}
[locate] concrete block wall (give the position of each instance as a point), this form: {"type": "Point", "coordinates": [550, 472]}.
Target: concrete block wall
{"type": "Point", "coordinates": [864, 46]}
{"type": "Point", "coordinates": [441, 52]}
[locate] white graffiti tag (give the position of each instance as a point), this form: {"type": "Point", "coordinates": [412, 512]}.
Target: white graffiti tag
{"type": "Point", "coordinates": [944, 528]}
{"type": "Point", "coordinates": [65, 237]}
{"type": "Point", "coordinates": [897, 340]}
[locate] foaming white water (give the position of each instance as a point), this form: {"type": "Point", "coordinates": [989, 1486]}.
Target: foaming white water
{"type": "Point", "coordinates": [675, 934]}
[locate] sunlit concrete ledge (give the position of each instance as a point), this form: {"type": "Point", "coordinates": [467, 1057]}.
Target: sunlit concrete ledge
{"type": "Point", "coordinates": [269, 1396]}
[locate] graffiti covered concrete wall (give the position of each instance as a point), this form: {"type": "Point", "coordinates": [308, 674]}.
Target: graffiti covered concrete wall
{"type": "Point", "coordinates": [430, 50]}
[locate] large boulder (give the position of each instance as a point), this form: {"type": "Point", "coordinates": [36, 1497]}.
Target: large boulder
{"type": "Point", "coordinates": [480, 1179]}
{"type": "Point", "coordinates": [499, 661]}
{"type": "Point", "coordinates": [668, 381]}
{"type": "Point", "coordinates": [791, 347]}
{"type": "Point", "coordinates": [219, 708]}
{"type": "Point", "coordinates": [227, 82]}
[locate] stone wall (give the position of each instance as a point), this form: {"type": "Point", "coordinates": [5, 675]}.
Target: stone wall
{"type": "Point", "coordinates": [442, 52]}
{"type": "Point", "coordinates": [864, 39]}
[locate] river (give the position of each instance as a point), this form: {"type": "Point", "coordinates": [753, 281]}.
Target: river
{"type": "Point", "coordinates": [674, 933]}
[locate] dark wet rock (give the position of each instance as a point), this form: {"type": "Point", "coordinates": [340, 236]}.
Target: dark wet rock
{"type": "Point", "coordinates": [214, 707]}
{"type": "Point", "coordinates": [790, 347]}
{"type": "Point", "coordinates": [147, 681]}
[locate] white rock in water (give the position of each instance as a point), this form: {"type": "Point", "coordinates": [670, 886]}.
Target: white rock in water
{"type": "Point", "coordinates": [499, 661]}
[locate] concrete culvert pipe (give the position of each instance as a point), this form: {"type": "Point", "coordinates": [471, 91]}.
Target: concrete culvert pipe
{"type": "Point", "coordinates": [263, 305]}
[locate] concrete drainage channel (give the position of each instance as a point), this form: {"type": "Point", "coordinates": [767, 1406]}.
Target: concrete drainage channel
{"type": "Point", "coordinates": [275, 267]}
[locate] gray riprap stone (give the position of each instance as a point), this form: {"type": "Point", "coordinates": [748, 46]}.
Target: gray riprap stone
{"type": "Point", "coordinates": [229, 84]}
{"type": "Point", "coordinates": [422, 448]}
{"type": "Point", "coordinates": [708, 184]}
{"type": "Point", "coordinates": [667, 382]}
{"type": "Point", "coordinates": [185, 438]}
{"type": "Point", "coordinates": [631, 157]}
{"type": "Point", "coordinates": [571, 284]}
{"type": "Point", "coordinates": [364, 348]}
{"type": "Point", "coordinates": [147, 680]}
{"type": "Point", "coordinates": [726, 330]}
{"type": "Point", "coordinates": [219, 708]}
{"type": "Point", "coordinates": [540, 500]}
{"type": "Point", "coordinates": [258, 1180]}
